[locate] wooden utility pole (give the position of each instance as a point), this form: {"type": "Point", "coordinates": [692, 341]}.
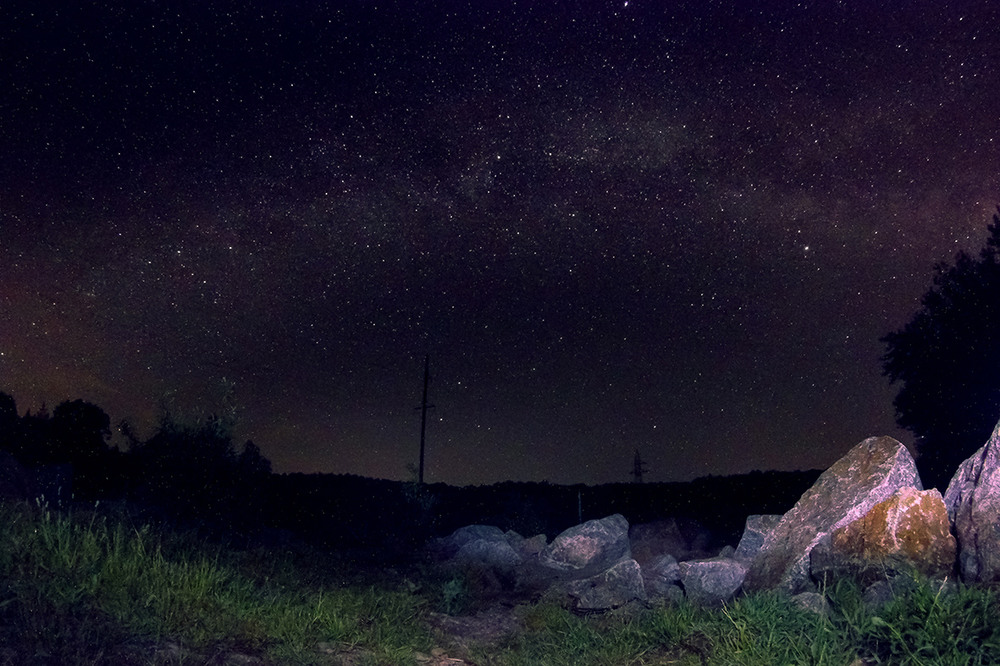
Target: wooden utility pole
{"type": "Point", "coordinates": [423, 417]}
{"type": "Point", "coordinates": [638, 468]}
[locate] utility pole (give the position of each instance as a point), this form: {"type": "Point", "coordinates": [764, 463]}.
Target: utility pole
{"type": "Point", "coordinates": [423, 417]}
{"type": "Point", "coordinates": [638, 468]}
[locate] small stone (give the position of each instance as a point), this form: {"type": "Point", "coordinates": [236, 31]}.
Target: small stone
{"type": "Point", "coordinates": [813, 602]}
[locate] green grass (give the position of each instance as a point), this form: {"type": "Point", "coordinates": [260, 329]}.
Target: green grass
{"type": "Point", "coordinates": [90, 588]}
{"type": "Point", "coordinates": [922, 627]}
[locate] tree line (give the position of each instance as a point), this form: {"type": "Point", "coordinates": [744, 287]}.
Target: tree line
{"type": "Point", "coordinates": [188, 470]}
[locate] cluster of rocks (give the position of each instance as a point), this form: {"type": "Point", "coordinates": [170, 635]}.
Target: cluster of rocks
{"type": "Point", "coordinates": [866, 518]}
{"type": "Point", "coordinates": [599, 564]}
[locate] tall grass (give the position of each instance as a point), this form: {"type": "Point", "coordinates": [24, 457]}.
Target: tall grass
{"type": "Point", "coordinates": [925, 625]}
{"type": "Point", "coordinates": [88, 588]}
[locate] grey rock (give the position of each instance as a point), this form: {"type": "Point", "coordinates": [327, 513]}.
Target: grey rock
{"type": "Point", "coordinates": [711, 582]}
{"type": "Point", "coordinates": [526, 547]}
{"type": "Point", "coordinates": [590, 548]}
{"type": "Point", "coordinates": [879, 593]}
{"type": "Point", "coordinates": [812, 602]}
{"type": "Point", "coordinates": [612, 588]}
{"type": "Point", "coordinates": [669, 595]}
{"type": "Point", "coordinates": [497, 555]}
{"type": "Point", "coordinates": [973, 504]}
{"type": "Point", "coordinates": [757, 527]}
{"type": "Point", "coordinates": [660, 577]}
{"type": "Point", "coordinates": [869, 473]}
{"type": "Point", "coordinates": [445, 548]}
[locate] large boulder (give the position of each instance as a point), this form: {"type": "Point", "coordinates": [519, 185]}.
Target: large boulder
{"type": "Point", "coordinates": [489, 554]}
{"type": "Point", "coordinates": [711, 582]}
{"type": "Point", "coordinates": [755, 532]}
{"type": "Point", "coordinates": [614, 587]}
{"type": "Point", "coordinates": [869, 473]}
{"type": "Point", "coordinates": [906, 533]}
{"type": "Point", "coordinates": [973, 504]}
{"type": "Point", "coordinates": [447, 547]}
{"type": "Point", "coordinates": [588, 549]}
{"type": "Point", "coordinates": [483, 552]}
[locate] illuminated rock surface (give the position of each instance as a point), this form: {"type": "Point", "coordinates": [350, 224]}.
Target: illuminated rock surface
{"type": "Point", "coordinates": [868, 474]}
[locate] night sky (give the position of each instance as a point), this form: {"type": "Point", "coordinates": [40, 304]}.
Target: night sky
{"type": "Point", "coordinates": [677, 227]}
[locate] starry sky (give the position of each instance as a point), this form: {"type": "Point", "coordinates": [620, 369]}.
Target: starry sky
{"type": "Point", "coordinates": [679, 227]}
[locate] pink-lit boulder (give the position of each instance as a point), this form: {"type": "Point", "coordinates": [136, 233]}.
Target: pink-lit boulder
{"type": "Point", "coordinates": [904, 534]}
{"type": "Point", "coordinates": [868, 474]}
{"type": "Point", "coordinates": [973, 504]}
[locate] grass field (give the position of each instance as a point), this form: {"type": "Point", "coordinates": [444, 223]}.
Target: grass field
{"type": "Point", "coordinates": [94, 587]}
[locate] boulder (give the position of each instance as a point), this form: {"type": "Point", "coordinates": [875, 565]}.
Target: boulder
{"type": "Point", "coordinates": [488, 554]}
{"type": "Point", "coordinates": [445, 548]}
{"type": "Point", "coordinates": [757, 527]}
{"type": "Point", "coordinates": [906, 533]}
{"type": "Point", "coordinates": [869, 473]}
{"type": "Point", "coordinates": [609, 589]}
{"type": "Point", "coordinates": [711, 582]}
{"type": "Point", "coordinates": [973, 504]}
{"type": "Point", "coordinates": [588, 549]}
{"type": "Point", "coordinates": [680, 537]}
{"type": "Point", "coordinates": [526, 547]}
{"type": "Point", "coordinates": [660, 578]}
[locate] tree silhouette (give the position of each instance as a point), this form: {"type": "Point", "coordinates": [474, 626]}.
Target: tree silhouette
{"type": "Point", "coordinates": [190, 469]}
{"type": "Point", "coordinates": [80, 431]}
{"type": "Point", "coordinates": [948, 361]}
{"type": "Point", "coordinates": [32, 438]}
{"type": "Point", "coordinates": [79, 437]}
{"type": "Point", "coordinates": [8, 409]}
{"type": "Point", "coordinates": [9, 422]}
{"type": "Point", "coordinates": [186, 468]}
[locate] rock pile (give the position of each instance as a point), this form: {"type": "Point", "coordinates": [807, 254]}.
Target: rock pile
{"type": "Point", "coordinates": [590, 567]}
{"type": "Point", "coordinates": [866, 518]}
